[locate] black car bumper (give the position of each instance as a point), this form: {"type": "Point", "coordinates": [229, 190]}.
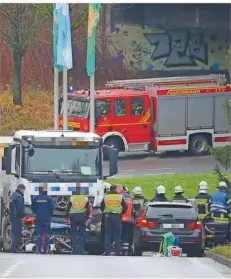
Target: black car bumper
{"type": "Point", "coordinates": [189, 245]}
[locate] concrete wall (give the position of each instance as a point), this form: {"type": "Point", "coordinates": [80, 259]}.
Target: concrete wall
{"type": "Point", "coordinates": [157, 37]}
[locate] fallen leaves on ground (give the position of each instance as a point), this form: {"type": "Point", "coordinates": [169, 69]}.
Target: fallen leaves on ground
{"type": "Point", "coordinates": [36, 113]}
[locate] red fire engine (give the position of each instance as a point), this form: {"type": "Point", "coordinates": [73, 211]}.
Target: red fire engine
{"type": "Point", "coordinates": [168, 114]}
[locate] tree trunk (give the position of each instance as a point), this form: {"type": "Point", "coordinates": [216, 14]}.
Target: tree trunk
{"type": "Point", "coordinates": [17, 91]}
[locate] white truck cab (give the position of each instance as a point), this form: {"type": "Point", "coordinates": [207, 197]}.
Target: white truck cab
{"type": "Point", "coordinates": [62, 160]}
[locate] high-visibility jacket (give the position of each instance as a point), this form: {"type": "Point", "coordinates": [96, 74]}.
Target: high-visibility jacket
{"type": "Point", "coordinates": [138, 203]}
{"type": "Point", "coordinates": [78, 204]}
{"type": "Point", "coordinates": [113, 203]}
{"type": "Point", "coordinates": [203, 207]}
{"type": "Point", "coordinates": [128, 215]}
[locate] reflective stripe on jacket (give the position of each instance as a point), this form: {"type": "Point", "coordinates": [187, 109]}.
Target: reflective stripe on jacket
{"type": "Point", "coordinates": [203, 207]}
{"type": "Point", "coordinates": [113, 203]}
{"type": "Point", "coordinates": [138, 201]}
{"type": "Point", "coordinates": [220, 217]}
{"type": "Point", "coordinates": [218, 202]}
{"type": "Point", "coordinates": [128, 215]}
{"type": "Point", "coordinates": [78, 204]}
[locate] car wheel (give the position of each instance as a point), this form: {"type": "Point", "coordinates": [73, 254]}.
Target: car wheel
{"type": "Point", "coordinates": [198, 253]}
{"type": "Point", "coordinates": [137, 251]}
{"type": "Point", "coordinates": [197, 145]}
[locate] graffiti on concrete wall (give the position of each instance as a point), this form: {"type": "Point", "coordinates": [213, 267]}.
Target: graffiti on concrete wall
{"type": "Point", "coordinates": [144, 48]}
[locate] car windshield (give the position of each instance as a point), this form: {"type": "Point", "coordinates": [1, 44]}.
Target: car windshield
{"type": "Point", "coordinates": [171, 212]}
{"type": "Point", "coordinates": [83, 161]}
{"type": "Point", "coordinates": [77, 108]}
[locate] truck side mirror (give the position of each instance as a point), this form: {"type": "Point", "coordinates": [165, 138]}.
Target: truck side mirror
{"type": "Point", "coordinates": [113, 161]}
{"type": "Point", "coordinates": [4, 163]}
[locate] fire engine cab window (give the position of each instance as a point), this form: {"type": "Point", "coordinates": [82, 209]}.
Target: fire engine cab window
{"type": "Point", "coordinates": [103, 108]}
{"type": "Point", "coordinates": [137, 106]}
{"type": "Point", "coordinates": [120, 107]}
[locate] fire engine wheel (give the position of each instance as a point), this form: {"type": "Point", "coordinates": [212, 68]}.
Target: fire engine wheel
{"type": "Point", "coordinates": [112, 142]}
{"type": "Point", "coordinates": [6, 238]}
{"type": "Point", "coordinates": [197, 145]}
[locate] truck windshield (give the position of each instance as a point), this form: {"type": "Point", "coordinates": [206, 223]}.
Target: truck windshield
{"type": "Point", "coordinates": [76, 107]}
{"type": "Point", "coordinates": [81, 161]}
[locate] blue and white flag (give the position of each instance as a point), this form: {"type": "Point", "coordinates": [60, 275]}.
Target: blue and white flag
{"type": "Point", "coordinates": [62, 37]}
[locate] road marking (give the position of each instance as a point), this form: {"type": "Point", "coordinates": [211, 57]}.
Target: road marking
{"type": "Point", "coordinates": [11, 269]}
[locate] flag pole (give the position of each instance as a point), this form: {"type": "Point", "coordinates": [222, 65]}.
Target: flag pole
{"type": "Point", "coordinates": [92, 103]}
{"type": "Point", "coordinates": [65, 100]}
{"type": "Point", "coordinates": [56, 99]}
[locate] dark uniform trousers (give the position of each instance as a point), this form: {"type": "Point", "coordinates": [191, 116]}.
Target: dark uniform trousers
{"type": "Point", "coordinates": [16, 231]}
{"type": "Point", "coordinates": [78, 229]}
{"type": "Point", "coordinates": [41, 227]}
{"type": "Point", "coordinates": [112, 231]}
{"type": "Point", "coordinates": [127, 233]}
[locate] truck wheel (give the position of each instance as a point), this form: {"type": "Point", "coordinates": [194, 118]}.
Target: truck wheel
{"type": "Point", "coordinates": [111, 143]}
{"type": "Point", "coordinates": [6, 235]}
{"type": "Point", "coordinates": [197, 145]}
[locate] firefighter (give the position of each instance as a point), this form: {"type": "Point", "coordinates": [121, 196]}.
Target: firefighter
{"type": "Point", "coordinates": [113, 205]}
{"type": "Point", "coordinates": [121, 109]}
{"type": "Point", "coordinates": [202, 199]}
{"type": "Point", "coordinates": [43, 207]}
{"type": "Point", "coordinates": [17, 212]}
{"type": "Point", "coordinates": [127, 222]}
{"type": "Point", "coordinates": [218, 203]}
{"type": "Point", "coordinates": [160, 194]}
{"type": "Point", "coordinates": [178, 197]}
{"type": "Point", "coordinates": [104, 109]}
{"type": "Point", "coordinates": [79, 211]}
{"type": "Point", "coordinates": [138, 199]}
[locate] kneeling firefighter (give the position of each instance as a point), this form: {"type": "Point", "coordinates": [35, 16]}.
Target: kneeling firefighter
{"type": "Point", "coordinates": [138, 199]}
{"type": "Point", "coordinates": [202, 199]}
{"type": "Point", "coordinates": [219, 204]}
{"type": "Point", "coordinates": [127, 223]}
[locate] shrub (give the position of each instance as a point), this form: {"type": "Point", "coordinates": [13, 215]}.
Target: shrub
{"type": "Point", "coordinates": [36, 112]}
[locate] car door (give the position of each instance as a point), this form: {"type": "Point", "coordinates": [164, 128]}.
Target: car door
{"type": "Point", "coordinates": [139, 120]}
{"type": "Point", "coordinates": [103, 115]}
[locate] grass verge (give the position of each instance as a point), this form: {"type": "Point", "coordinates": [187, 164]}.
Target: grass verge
{"type": "Point", "coordinates": [224, 251]}
{"type": "Point", "coordinates": [188, 181]}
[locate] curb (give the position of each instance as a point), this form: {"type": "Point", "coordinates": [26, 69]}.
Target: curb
{"type": "Point", "coordinates": [220, 259]}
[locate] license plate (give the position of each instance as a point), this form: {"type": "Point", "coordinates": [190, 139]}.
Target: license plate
{"type": "Point", "coordinates": [173, 226]}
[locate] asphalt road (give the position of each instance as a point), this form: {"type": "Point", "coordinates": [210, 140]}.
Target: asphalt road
{"type": "Point", "coordinates": [147, 165]}
{"type": "Point", "coordinates": [60, 266]}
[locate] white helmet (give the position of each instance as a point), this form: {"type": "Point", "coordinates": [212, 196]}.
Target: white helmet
{"type": "Point", "coordinates": [203, 187]}
{"type": "Point", "coordinates": [137, 191]}
{"type": "Point", "coordinates": [222, 184]}
{"type": "Point", "coordinates": [178, 189]}
{"type": "Point", "coordinates": [107, 186]}
{"type": "Point", "coordinates": [160, 189]}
